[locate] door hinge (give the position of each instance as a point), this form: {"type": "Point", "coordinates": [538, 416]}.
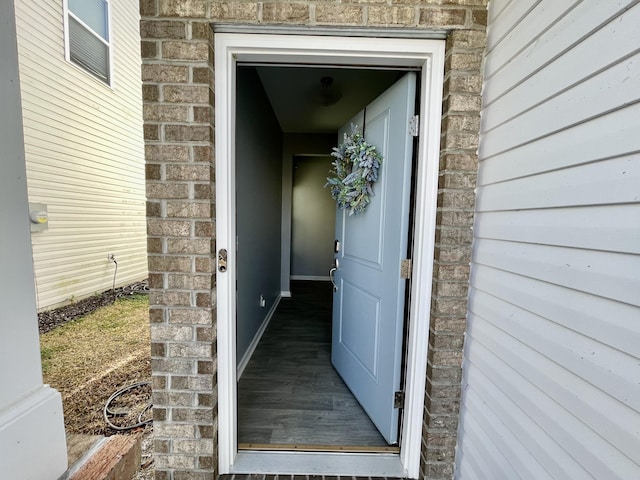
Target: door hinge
{"type": "Point", "coordinates": [398, 399]}
{"type": "Point", "coordinates": [414, 125]}
{"type": "Point", "coordinates": [405, 269]}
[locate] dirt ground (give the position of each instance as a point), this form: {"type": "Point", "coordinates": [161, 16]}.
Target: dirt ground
{"type": "Point", "coordinates": [93, 348]}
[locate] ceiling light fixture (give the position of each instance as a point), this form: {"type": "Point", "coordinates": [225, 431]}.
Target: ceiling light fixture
{"type": "Point", "coordinates": [328, 94]}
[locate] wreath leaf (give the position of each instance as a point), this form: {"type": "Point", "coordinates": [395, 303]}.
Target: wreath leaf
{"type": "Point", "coordinates": [355, 170]}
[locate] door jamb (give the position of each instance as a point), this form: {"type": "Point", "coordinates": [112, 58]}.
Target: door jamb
{"type": "Point", "coordinates": [391, 52]}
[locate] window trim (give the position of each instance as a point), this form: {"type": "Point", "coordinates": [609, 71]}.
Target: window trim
{"type": "Point", "coordinates": [109, 43]}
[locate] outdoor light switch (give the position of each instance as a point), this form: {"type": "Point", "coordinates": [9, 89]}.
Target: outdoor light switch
{"type": "Point", "coordinates": [39, 217]}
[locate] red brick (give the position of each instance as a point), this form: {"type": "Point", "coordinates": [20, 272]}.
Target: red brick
{"type": "Point", "coordinates": [285, 12]}
{"type": "Point", "coordinates": [327, 13]}
{"type": "Point", "coordinates": [443, 18]}
{"type": "Point", "coordinates": [181, 8]}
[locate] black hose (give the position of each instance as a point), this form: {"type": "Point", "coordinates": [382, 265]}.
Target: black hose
{"type": "Point", "coordinates": [113, 288]}
{"type": "Point", "coordinates": [108, 413]}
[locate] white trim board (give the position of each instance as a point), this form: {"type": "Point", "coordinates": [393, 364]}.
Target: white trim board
{"type": "Point", "coordinates": [428, 55]}
{"type": "Point", "coordinates": [244, 361]}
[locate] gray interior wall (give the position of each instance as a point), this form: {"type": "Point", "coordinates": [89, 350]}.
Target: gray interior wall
{"type": "Point", "coordinates": [296, 144]}
{"type": "Point", "coordinates": [259, 200]}
{"type": "Point", "coordinates": [313, 218]}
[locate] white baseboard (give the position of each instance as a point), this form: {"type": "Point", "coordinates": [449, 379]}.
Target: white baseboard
{"type": "Point", "coordinates": [244, 361]}
{"type": "Point", "coordinates": [286, 294]}
{"type": "Point", "coordinates": [311, 277]}
{"type": "Point", "coordinates": [32, 437]}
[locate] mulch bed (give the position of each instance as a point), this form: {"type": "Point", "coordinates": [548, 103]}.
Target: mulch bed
{"type": "Point", "coordinates": [54, 318]}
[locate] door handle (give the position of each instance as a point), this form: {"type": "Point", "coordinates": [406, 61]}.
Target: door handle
{"type": "Point", "coordinates": [331, 273]}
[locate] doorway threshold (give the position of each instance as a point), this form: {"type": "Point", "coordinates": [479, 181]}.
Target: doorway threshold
{"type": "Point", "coordinates": [319, 463]}
{"type": "Point", "coordinates": [266, 447]}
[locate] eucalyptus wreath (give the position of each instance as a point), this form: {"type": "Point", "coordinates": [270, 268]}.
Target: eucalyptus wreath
{"type": "Point", "coordinates": [355, 170]}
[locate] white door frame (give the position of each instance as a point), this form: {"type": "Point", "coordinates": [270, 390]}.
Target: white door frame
{"type": "Point", "coordinates": [428, 55]}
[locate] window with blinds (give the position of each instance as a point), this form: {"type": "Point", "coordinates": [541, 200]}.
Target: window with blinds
{"type": "Point", "coordinates": [88, 39]}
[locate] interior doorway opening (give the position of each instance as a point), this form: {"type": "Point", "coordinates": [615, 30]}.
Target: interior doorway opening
{"type": "Point", "coordinates": [230, 50]}
{"type": "Point", "coordinates": [289, 394]}
{"type": "Point", "coordinates": [313, 218]}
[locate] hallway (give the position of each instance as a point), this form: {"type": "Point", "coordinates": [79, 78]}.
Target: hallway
{"type": "Point", "coordinates": [290, 395]}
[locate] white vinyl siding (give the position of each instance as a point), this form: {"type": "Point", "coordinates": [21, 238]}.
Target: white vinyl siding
{"type": "Point", "coordinates": [551, 385]}
{"type": "Point", "coordinates": [84, 154]}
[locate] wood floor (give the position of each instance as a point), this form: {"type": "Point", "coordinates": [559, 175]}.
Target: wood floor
{"type": "Point", "coordinates": [290, 394]}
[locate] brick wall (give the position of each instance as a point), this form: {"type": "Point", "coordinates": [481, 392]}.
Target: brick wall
{"type": "Point", "coordinates": [177, 75]}
{"type": "Point", "coordinates": [456, 200]}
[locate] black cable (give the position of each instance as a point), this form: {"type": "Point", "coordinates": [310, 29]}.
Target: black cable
{"type": "Point", "coordinates": [107, 413]}
{"type": "Point", "coordinates": [113, 288]}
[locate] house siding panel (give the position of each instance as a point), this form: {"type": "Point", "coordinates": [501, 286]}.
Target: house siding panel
{"type": "Point", "coordinates": [555, 39]}
{"type": "Point", "coordinates": [84, 155]}
{"type": "Point", "coordinates": [550, 368]}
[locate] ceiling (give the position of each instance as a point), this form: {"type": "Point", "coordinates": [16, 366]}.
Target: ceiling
{"type": "Point", "coordinates": [303, 104]}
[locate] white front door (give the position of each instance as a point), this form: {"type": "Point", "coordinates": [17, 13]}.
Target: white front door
{"type": "Point", "coordinates": [368, 302]}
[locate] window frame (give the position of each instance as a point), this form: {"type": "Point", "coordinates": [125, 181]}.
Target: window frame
{"type": "Point", "coordinates": [109, 43]}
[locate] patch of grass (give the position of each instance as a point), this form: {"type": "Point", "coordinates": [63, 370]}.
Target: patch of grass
{"type": "Point", "coordinates": [47, 354]}
{"type": "Point", "coordinates": [90, 357]}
